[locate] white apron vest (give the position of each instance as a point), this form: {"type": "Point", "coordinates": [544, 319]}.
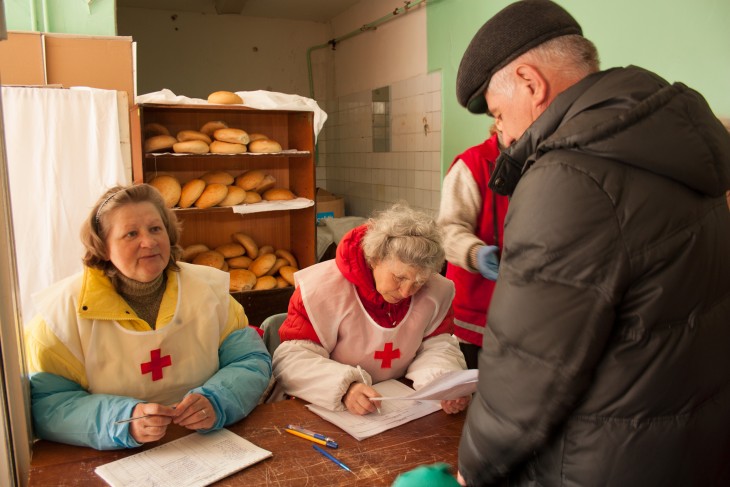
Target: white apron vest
{"type": "Point", "coordinates": [159, 365]}
{"type": "Point", "coordinates": [352, 337]}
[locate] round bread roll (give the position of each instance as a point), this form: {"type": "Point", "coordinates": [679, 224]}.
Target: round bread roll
{"type": "Point", "coordinates": [253, 137]}
{"type": "Point", "coordinates": [231, 250]}
{"type": "Point", "coordinates": [224, 98]}
{"type": "Point", "coordinates": [265, 282]}
{"type": "Point", "coordinates": [211, 258]}
{"type": "Point", "coordinates": [191, 147]}
{"type": "Point", "coordinates": [287, 272]}
{"type": "Point", "coordinates": [241, 280]}
{"type": "Point", "coordinates": [252, 250]}
{"type": "Point", "coordinates": [285, 254]}
{"type": "Point", "coordinates": [277, 265]}
{"type": "Point", "coordinates": [262, 264]}
{"type": "Point", "coordinates": [159, 143]}
{"type": "Point", "coordinates": [266, 249]}
{"type": "Point", "coordinates": [191, 251]}
{"type": "Point", "coordinates": [266, 184]}
{"type": "Point", "coordinates": [191, 191]}
{"type": "Point", "coordinates": [278, 194]}
{"type": "Point", "coordinates": [250, 179]}
{"type": "Point", "coordinates": [209, 127]}
{"type": "Point", "coordinates": [264, 146]}
{"type": "Point", "coordinates": [184, 135]}
{"type": "Point", "coordinates": [235, 136]}
{"type": "Point", "coordinates": [212, 195]}
{"type": "Point", "coordinates": [220, 147]}
{"type": "Point", "coordinates": [241, 262]}
{"type": "Point", "coordinates": [169, 187]}
{"type": "Point", "coordinates": [221, 177]}
{"type": "Point", "coordinates": [152, 129]}
{"type": "Point", "coordinates": [252, 197]}
{"type": "Point", "coordinates": [281, 282]}
{"type": "Point", "coordinates": [235, 196]}
{"type": "Point", "coordinates": [225, 266]}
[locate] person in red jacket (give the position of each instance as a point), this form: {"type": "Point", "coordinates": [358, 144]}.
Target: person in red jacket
{"type": "Point", "coordinates": [379, 310]}
{"type": "Point", "coordinates": [472, 218]}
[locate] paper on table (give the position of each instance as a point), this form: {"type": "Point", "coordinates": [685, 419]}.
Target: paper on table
{"type": "Point", "coordinates": [195, 460]}
{"type": "Point", "coordinates": [393, 413]}
{"type": "Point", "coordinates": [451, 385]}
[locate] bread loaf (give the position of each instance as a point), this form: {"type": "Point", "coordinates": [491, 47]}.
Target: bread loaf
{"type": "Point", "coordinates": [262, 264]}
{"type": "Point", "coordinates": [184, 135]}
{"type": "Point", "coordinates": [281, 282]}
{"type": "Point", "coordinates": [252, 197]}
{"type": "Point", "coordinates": [266, 184]}
{"type": "Point", "coordinates": [265, 282]}
{"type": "Point", "coordinates": [209, 127]}
{"type": "Point", "coordinates": [252, 250]}
{"type": "Point", "coordinates": [264, 146]}
{"type": "Point", "coordinates": [159, 143]}
{"type": "Point", "coordinates": [231, 250]}
{"type": "Point", "coordinates": [211, 258]}
{"type": "Point", "coordinates": [235, 196]}
{"type": "Point", "coordinates": [287, 272]}
{"type": "Point", "coordinates": [241, 262]}
{"type": "Point", "coordinates": [221, 177]}
{"type": "Point", "coordinates": [191, 251]}
{"type": "Point", "coordinates": [235, 136]}
{"type": "Point", "coordinates": [152, 129]}
{"type": "Point", "coordinates": [278, 194]}
{"type": "Point", "coordinates": [224, 98]}
{"type": "Point", "coordinates": [220, 147]}
{"type": "Point", "coordinates": [250, 179]}
{"type": "Point", "coordinates": [277, 265]}
{"type": "Point", "coordinates": [256, 137]}
{"type": "Point", "coordinates": [241, 280]}
{"type": "Point", "coordinates": [266, 249]}
{"type": "Point", "coordinates": [212, 195]}
{"type": "Point", "coordinates": [191, 147]}
{"type": "Point", "coordinates": [191, 191]}
{"type": "Point", "coordinates": [169, 187]}
{"type": "Point", "coordinates": [285, 254]}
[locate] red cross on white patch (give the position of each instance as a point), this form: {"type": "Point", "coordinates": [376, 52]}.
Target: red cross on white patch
{"type": "Point", "coordinates": [156, 364]}
{"type": "Point", "coordinates": [387, 355]}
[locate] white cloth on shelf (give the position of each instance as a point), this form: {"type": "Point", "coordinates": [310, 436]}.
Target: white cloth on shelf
{"type": "Point", "coordinates": [259, 99]}
{"type": "Point", "coordinates": [63, 150]}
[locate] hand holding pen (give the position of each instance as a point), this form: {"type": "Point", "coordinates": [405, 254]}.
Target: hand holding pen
{"type": "Point", "coordinates": [149, 421]}
{"type": "Point", "coordinates": [357, 398]}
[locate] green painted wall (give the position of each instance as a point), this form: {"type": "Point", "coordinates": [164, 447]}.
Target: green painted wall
{"type": "Point", "coordinates": [679, 40]}
{"type": "Point", "coordinates": [93, 17]}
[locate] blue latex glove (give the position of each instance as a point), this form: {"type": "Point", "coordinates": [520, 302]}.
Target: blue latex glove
{"type": "Point", "coordinates": [488, 261]}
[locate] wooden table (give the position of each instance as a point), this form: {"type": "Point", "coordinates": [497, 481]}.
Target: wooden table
{"type": "Point", "coordinates": [374, 461]}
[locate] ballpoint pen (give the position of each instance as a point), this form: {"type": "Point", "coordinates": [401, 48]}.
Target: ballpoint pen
{"type": "Point", "coordinates": [319, 436]}
{"type": "Point", "coordinates": [339, 463]}
{"type": "Point", "coordinates": [135, 418]}
{"type": "Point", "coordinates": [362, 375]}
{"type": "Point", "coordinates": [328, 443]}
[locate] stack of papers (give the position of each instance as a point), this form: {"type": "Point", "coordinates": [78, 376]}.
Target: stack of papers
{"type": "Point", "coordinates": [195, 460]}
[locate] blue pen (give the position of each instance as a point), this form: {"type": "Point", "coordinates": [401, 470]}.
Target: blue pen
{"type": "Point", "coordinates": [339, 463]}
{"type": "Point", "coordinates": [330, 441]}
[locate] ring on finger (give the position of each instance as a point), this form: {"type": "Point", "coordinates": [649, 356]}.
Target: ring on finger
{"type": "Point", "coordinates": [205, 415]}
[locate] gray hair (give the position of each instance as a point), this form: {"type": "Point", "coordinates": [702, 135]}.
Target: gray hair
{"type": "Point", "coordinates": [575, 55]}
{"type": "Point", "coordinates": [405, 234]}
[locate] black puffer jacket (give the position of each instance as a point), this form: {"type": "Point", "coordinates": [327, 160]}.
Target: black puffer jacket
{"type": "Point", "coordinates": [607, 354]}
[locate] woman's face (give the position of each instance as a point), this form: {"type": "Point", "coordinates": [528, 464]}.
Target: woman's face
{"type": "Point", "coordinates": [137, 242]}
{"type": "Point", "coordinates": [396, 281]}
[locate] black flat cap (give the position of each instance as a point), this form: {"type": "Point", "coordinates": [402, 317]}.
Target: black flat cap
{"type": "Point", "coordinates": [514, 30]}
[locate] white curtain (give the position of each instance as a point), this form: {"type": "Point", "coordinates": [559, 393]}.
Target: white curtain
{"type": "Point", "coordinates": [63, 152]}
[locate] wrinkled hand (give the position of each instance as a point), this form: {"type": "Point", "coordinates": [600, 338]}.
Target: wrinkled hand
{"type": "Point", "coordinates": [453, 406]}
{"type": "Point", "coordinates": [488, 261]}
{"type": "Point", "coordinates": [357, 399]}
{"type": "Point", "coordinates": [154, 427]}
{"type": "Point", "coordinates": [194, 412]}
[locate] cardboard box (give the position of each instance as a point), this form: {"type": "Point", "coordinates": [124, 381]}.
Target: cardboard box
{"type": "Point", "coordinates": [329, 205]}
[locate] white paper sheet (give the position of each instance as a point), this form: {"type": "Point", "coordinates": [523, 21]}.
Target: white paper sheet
{"type": "Point", "coordinates": [195, 460]}
{"type": "Point", "coordinates": [394, 413]}
{"type": "Point", "coordinates": [451, 385]}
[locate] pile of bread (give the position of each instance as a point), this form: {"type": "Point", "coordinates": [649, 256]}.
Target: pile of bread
{"type": "Point", "coordinates": [214, 137]}
{"type": "Point", "coordinates": [220, 188]}
{"type": "Point", "coordinates": [251, 267]}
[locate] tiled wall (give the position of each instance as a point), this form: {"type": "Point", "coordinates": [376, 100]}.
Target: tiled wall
{"type": "Point", "coordinates": [369, 180]}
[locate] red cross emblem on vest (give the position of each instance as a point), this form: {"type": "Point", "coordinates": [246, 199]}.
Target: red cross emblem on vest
{"type": "Point", "coordinates": [156, 364]}
{"type": "Point", "coordinates": [387, 355]}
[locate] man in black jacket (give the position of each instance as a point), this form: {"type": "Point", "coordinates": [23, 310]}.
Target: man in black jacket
{"type": "Point", "coordinates": [605, 360]}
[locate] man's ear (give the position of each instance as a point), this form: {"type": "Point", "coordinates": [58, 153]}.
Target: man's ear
{"type": "Point", "coordinates": [532, 79]}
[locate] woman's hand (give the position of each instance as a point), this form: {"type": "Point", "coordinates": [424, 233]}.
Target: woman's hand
{"type": "Point", "coordinates": [194, 412]}
{"type": "Point", "coordinates": [152, 428]}
{"type": "Point", "coordinates": [453, 406]}
{"type": "Point", "coordinates": [357, 399]}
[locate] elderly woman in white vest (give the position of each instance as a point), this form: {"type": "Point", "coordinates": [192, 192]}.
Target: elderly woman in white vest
{"type": "Point", "coordinates": [380, 305]}
{"type": "Point", "coordinates": [138, 334]}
